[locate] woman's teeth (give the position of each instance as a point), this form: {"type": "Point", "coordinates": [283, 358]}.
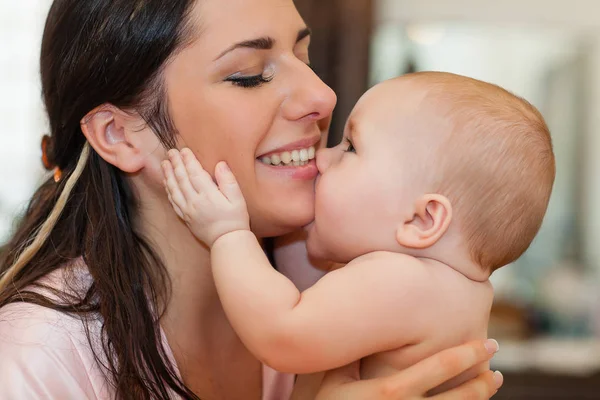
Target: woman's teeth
{"type": "Point", "coordinates": [296, 157]}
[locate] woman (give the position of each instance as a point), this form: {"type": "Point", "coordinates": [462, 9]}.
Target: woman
{"type": "Point", "coordinates": [104, 292]}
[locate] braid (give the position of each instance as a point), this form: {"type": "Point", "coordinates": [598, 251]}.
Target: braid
{"type": "Point", "coordinates": [40, 237]}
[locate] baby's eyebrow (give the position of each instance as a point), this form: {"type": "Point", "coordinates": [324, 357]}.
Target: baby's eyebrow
{"type": "Point", "coordinates": [352, 131]}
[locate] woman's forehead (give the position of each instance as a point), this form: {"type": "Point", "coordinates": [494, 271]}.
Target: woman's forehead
{"type": "Point", "coordinates": [222, 23]}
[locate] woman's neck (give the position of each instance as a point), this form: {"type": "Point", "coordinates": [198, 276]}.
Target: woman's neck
{"type": "Point", "coordinates": [193, 296]}
{"type": "Point", "coordinates": [194, 321]}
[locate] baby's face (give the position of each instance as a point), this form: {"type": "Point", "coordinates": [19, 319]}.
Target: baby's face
{"type": "Point", "coordinates": [370, 181]}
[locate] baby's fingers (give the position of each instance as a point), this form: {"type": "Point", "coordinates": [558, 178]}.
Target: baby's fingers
{"type": "Point", "coordinates": [228, 184]}
{"type": "Point", "coordinates": [175, 206]}
{"type": "Point", "coordinates": [199, 177]}
{"type": "Point", "coordinates": [181, 175]}
{"type": "Point", "coordinates": [175, 196]}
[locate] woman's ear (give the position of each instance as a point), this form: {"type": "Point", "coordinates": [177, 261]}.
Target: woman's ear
{"type": "Point", "coordinates": [114, 135]}
{"type": "Point", "coordinates": [430, 221]}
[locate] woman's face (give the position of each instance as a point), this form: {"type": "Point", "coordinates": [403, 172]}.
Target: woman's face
{"type": "Point", "coordinates": [243, 92]}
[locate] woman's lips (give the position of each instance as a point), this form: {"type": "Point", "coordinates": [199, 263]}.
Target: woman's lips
{"type": "Point", "coordinates": [300, 172]}
{"type": "Point", "coordinates": [300, 144]}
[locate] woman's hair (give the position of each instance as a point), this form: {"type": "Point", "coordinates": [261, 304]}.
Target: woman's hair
{"type": "Point", "coordinates": [96, 52]}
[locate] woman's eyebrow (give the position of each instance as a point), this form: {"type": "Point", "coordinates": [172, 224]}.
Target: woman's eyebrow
{"type": "Point", "coordinates": [263, 43]}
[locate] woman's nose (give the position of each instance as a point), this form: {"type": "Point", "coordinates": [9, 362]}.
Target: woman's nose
{"type": "Point", "coordinates": [309, 98]}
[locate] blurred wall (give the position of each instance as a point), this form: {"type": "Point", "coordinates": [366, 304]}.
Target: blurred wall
{"type": "Point", "coordinates": [21, 111]}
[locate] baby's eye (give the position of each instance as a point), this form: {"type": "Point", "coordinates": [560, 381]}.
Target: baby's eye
{"type": "Point", "coordinates": [350, 147]}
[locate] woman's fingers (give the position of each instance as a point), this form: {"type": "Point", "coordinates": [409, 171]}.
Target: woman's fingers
{"type": "Point", "coordinates": [339, 376]}
{"type": "Point", "coordinates": [416, 381]}
{"type": "Point", "coordinates": [481, 388]}
{"type": "Point", "coordinates": [344, 384]}
{"type": "Point", "coordinates": [447, 364]}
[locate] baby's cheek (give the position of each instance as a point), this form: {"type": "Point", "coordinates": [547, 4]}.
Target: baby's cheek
{"type": "Point", "coordinates": [325, 199]}
{"type": "Point", "coordinates": [340, 197]}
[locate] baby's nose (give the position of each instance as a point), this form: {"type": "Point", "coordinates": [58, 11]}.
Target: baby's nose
{"type": "Point", "coordinates": [323, 159]}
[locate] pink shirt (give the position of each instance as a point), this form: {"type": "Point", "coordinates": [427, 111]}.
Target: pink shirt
{"type": "Point", "coordinates": [45, 354]}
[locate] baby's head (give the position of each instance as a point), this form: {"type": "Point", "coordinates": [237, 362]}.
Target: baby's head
{"type": "Point", "coordinates": [435, 165]}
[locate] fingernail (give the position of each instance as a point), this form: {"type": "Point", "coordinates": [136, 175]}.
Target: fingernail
{"type": "Point", "coordinates": [492, 346]}
{"type": "Point", "coordinates": [498, 378]}
{"type": "Point", "coordinates": [225, 167]}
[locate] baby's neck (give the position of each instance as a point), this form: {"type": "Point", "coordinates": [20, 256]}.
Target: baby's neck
{"type": "Point", "coordinates": [469, 269]}
{"type": "Point", "coordinates": [454, 254]}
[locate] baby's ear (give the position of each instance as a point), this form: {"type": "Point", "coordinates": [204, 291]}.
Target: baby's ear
{"type": "Point", "coordinates": [431, 219]}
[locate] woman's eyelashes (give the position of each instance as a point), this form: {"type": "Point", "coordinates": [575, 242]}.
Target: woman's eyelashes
{"type": "Point", "coordinates": [254, 81]}
{"type": "Point", "coordinates": [249, 81]}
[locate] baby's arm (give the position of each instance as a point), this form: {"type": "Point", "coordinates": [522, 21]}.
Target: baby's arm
{"type": "Point", "coordinates": [375, 303]}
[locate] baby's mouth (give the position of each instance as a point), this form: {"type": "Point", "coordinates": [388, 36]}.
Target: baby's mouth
{"type": "Point", "coordinates": [295, 158]}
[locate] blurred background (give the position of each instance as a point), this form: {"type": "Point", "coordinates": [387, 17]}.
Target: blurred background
{"type": "Point", "coordinates": [547, 309]}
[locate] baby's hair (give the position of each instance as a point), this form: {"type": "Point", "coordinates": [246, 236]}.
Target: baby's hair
{"type": "Point", "coordinates": [42, 234]}
{"type": "Point", "coordinates": [496, 165]}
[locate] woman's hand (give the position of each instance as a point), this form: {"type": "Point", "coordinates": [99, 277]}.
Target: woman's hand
{"type": "Point", "coordinates": [414, 382]}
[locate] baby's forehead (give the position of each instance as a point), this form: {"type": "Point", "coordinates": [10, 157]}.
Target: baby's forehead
{"type": "Point", "coordinates": [398, 92]}
{"type": "Point", "coordinates": [398, 106]}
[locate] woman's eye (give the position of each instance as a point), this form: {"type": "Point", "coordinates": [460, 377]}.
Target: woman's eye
{"type": "Point", "coordinates": [249, 81]}
{"type": "Point", "coordinates": [252, 81]}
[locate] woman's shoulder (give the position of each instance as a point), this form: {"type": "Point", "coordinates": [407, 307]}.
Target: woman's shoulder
{"type": "Point", "coordinates": [29, 324]}
{"type": "Point", "coordinates": [26, 323]}
{"type": "Point", "coordinates": [46, 354]}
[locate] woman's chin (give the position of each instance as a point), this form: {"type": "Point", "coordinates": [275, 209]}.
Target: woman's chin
{"type": "Point", "coordinates": [282, 213]}
{"type": "Point", "coordinates": [281, 226]}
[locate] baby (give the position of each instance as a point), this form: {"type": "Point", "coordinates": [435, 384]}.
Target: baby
{"type": "Point", "coordinates": [439, 180]}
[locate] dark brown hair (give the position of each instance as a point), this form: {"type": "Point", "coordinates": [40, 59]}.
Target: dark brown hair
{"type": "Point", "coordinates": [96, 52]}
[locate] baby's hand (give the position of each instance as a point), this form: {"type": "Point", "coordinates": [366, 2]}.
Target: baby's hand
{"type": "Point", "coordinates": [209, 211]}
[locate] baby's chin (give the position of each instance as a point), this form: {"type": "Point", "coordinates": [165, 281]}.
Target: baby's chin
{"type": "Point", "coordinates": [314, 246]}
{"type": "Point", "coordinates": [320, 255]}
